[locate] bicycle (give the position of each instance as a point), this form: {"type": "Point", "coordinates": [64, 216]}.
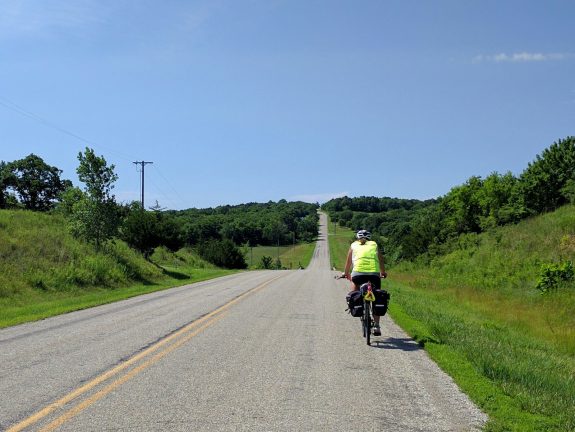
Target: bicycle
{"type": "Point", "coordinates": [366, 308]}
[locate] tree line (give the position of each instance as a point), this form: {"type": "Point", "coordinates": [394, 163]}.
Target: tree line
{"type": "Point", "coordinates": [94, 215]}
{"type": "Point", "coordinates": [413, 229]}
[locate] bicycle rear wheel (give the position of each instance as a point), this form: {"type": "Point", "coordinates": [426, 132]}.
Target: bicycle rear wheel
{"type": "Point", "coordinates": [367, 321]}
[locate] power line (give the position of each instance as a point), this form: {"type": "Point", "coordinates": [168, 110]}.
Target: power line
{"type": "Point", "coordinates": [18, 109]}
{"type": "Point", "coordinates": [156, 168]}
{"type": "Point", "coordinates": [24, 112]}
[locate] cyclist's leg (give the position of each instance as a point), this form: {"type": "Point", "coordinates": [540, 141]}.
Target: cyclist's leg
{"type": "Point", "coordinates": [358, 280]}
{"type": "Point", "coordinates": [376, 283]}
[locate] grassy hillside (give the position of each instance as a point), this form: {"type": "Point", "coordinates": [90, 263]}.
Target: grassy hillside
{"type": "Point", "coordinates": [497, 273]}
{"type": "Point", "coordinates": [291, 257]}
{"type": "Point", "coordinates": [479, 315]}
{"type": "Point", "coordinates": [45, 271]}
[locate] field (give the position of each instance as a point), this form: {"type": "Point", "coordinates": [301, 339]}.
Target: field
{"type": "Point", "coordinates": [291, 257]}
{"type": "Point", "coordinates": [477, 313]}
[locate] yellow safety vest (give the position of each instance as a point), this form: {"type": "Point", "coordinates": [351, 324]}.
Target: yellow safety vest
{"type": "Point", "coordinates": [364, 257]}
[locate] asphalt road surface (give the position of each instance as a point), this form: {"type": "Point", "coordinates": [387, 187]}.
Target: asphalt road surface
{"type": "Point", "coordinates": [256, 351]}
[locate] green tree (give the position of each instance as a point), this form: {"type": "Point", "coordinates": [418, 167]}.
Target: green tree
{"type": "Point", "coordinates": [543, 181]}
{"type": "Point", "coordinates": [95, 217]}
{"type": "Point", "coordinates": [499, 200]}
{"type": "Point", "coordinates": [223, 253]}
{"type": "Point", "coordinates": [463, 208]}
{"type": "Point", "coordinates": [7, 180]}
{"type": "Point", "coordinates": [140, 229]}
{"type": "Point", "coordinates": [37, 184]}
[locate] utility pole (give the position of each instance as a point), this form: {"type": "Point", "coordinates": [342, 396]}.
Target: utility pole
{"type": "Point", "coordinates": [143, 163]}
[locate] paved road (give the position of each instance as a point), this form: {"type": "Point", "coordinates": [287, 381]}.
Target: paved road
{"type": "Point", "coordinates": [258, 351]}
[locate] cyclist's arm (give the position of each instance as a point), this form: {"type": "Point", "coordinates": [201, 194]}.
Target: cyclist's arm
{"type": "Point", "coordinates": [382, 272]}
{"type": "Point", "coordinates": [347, 270]}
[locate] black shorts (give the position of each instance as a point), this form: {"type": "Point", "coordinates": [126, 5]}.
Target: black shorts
{"type": "Point", "coordinates": [359, 280]}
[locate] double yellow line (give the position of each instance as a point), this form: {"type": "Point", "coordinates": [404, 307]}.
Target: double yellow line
{"type": "Point", "coordinates": [148, 357]}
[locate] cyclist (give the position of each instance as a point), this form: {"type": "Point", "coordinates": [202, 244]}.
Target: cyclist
{"type": "Point", "coordinates": [368, 265]}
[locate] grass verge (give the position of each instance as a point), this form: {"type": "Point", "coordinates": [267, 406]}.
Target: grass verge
{"type": "Point", "coordinates": [34, 305]}
{"type": "Point", "coordinates": [522, 383]}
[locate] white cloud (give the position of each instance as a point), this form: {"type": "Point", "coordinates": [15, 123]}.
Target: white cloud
{"type": "Point", "coordinates": [320, 198]}
{"type": "Point", "coordinates": [521, 57]}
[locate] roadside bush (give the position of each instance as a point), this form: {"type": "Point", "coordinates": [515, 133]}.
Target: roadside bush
{"type": "Point", "coordinates": [223, 253]}
{"type": "Point", "coordinates": [266, 262]}
{"type": "Point", "coordinates": [554, 275]}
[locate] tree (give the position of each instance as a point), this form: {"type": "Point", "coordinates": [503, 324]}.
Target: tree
{"type": "Point", "coordinates": [95, 216]}
{"type": "Point", "coordinates": [7, 180]}
{"type": "Point", "coordinates": [543, 182]}
{"type": "Point", "coordinates": [463, 208]}
{"type": "Point", "coordinates": [223, 253]}
{"type": "Point", "coordinates": [499, 200]}
{"type": "Point", "coordinates": [140, 229]}
{"type": "Point", "coordinates": [37, 184]}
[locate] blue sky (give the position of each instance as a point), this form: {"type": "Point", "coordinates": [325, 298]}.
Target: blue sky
{"type": "Point", "coordinates": [257, 100]}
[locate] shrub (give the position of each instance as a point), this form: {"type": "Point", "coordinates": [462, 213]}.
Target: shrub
{"type": "Point", "coordinates": [223, 253]}
{"type": "Point", "coordinates": [553, 275]}
{"type": "Point", "coordinates": [266, 262]}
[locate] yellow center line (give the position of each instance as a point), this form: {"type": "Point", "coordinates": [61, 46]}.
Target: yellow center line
{"type": "Point", "coordinates": [34, 418]}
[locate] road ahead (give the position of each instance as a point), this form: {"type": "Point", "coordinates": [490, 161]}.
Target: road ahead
{"type": "Point", "coordinates": [257, 351]}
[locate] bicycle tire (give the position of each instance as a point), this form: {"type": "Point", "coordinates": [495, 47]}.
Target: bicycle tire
{"type": "Point", "coordinates": [367, 319]}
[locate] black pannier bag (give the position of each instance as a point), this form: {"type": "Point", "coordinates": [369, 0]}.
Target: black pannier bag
{"type": "Point", "coordinates": [381, 302]}
{"type": "Point", "coordinates": [355, 303]}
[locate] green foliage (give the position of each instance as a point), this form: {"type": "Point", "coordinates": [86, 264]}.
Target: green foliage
{"type": "Point", "coordinates": [266, 262]}
{"type": "Point", "coordinates": [254, 223]}
{"type": "Point", "coordinates": [95, 215]}
{"type": "Point", "coordinates": [499, 272]}
{"type": "Point", "coordinates": [38, 252]}
{"type": "Point", "coordinates": [93, 221]}
{"type": "Point", "coordinates": [97, 176]}
{"type": "Point", "coordinates": [7, 179]}
{"type": "Point", "coordinates": [552, 275]}
{"type": "Point", "coordinates": [140, 229]}
{"type": "Point", "coordinates": [543, 182]}
{"type": "Point", "coordinates": [68, 199]}
{"type": "Point", "coordinates": [223, 253]}
{"type": "Point", "coordinates": [37, 184]}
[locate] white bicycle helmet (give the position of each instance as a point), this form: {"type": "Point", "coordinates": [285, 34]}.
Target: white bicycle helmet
{"type": "Point", "coordinates": [363, 234]}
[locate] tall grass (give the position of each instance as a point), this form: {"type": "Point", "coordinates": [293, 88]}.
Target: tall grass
{"type": "Point", "coordinates": [44, 271]}
{"type": "Point", "coordinates": [522, 382]}
{"type": "Point", "coordinates": [497, 273]}
{"type": "Point", "coordinates": [37, 252]}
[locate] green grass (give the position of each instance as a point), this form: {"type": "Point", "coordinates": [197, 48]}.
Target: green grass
{"type": "Point", "coordinates": [497, 273]}
{"type": "Point", "coordinates": [522, 383]}
{"type": "Point", "coordinates": [37, 305]}
{"type": "Point", "coordinates": [44, 271]}
{"type": "Point", "coordinates": [340, 239]}
{"type": "Point", "coordinates": [291, 257]}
